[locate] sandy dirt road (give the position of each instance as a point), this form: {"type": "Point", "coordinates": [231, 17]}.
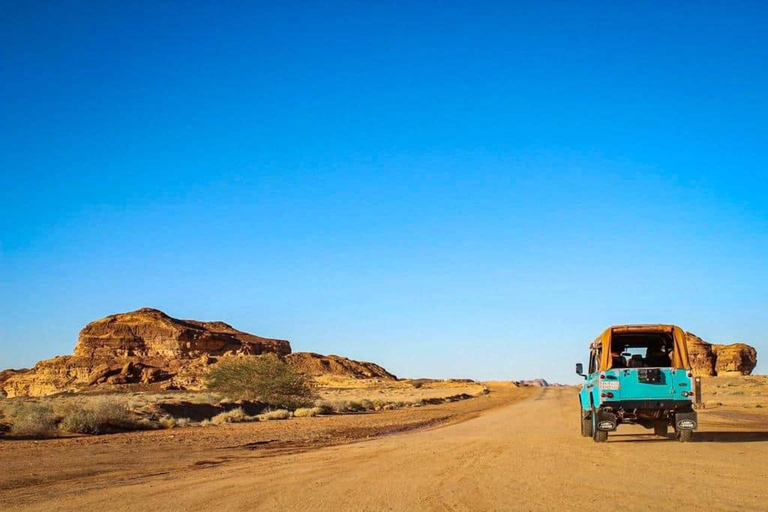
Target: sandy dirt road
{"type": "Point", "coordinates": [525, 456]}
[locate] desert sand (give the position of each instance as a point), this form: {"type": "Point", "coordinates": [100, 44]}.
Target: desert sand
{"type": "Point", "coordinates": [514, 449]}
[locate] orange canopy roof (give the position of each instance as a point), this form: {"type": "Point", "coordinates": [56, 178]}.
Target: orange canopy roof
{"type": "Point", "coordinates": [679, 354]}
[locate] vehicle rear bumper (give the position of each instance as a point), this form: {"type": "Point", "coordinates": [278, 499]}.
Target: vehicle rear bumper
{"type": "Point", "coordinates": [653, 404]}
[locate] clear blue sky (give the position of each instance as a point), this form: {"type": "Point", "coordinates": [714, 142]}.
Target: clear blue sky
{"type": "Point", "coordinates": [446, 188]}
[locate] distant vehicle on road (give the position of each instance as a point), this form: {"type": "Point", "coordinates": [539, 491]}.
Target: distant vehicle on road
{"type": "Point", "coordinates": [638, 374]}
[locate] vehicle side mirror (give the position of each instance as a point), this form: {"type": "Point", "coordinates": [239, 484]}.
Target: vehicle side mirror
{"type": "Point", "coordinates": [580, 369]}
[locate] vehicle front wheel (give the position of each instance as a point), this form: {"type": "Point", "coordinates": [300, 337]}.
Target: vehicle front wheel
{"type": "Point", "coordinates": [586, 425]}
{"type": "Point", "coordinates": [685, 436]}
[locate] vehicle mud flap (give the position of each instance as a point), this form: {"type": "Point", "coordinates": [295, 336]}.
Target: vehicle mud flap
{"type": "Point", "coordinates": [586, 423]}
{"type": "Point", "coordinates": [686, 421]}
{"type": "Point", "coordinates": [606, 421]}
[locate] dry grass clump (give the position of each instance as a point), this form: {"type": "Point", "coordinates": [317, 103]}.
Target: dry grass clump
{"type": "Point", "coordinates": [169, 422]}
{"type": "Point", "coordinates": [97, 416]}
{"type": "Point", "coordinates": [324, 408]}
{"type": "Point", "coordinates": [306, 412]}
{"type": "Point", "coordinates": [234, 416]}
{"type": "Point", "coordinates": [280, 414]}
{"type": "Point", "coordinates": [364, 405]}
{"type": "Point", "coordinates": [205, 398]}
{"type": "Point", "coordinates": [352, 406]}
{"type": "Point", "coordinates": [343, 406]}
{"type": "Point", "coordinates": [31, 420]}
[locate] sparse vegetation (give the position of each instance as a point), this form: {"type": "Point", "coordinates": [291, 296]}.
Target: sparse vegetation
{"type": "Point", "coordinates": [97, 416]}
{"type": "Point", "coordinates": [280, 414]}
{"type": "Point", "coordinates": [32, 420]}
{"type": "Point", "coordinates": [169, 422]}
{"type": "Point", "coordinates": [324, 408]}
{"type": "Point", "coordinates": [308, 412]}
{"type": "Point", "coordinates": [266, 378]}
{"type": "Point", "coordinates": [234, 416]}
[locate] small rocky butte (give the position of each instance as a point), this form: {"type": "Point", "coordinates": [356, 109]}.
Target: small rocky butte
{"type": "Point", "coordinates": [710, 359]}
{"type": "Point", "coordinates": [149, 350]}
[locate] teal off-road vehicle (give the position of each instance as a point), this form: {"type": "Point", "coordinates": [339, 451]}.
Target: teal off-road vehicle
{"type": "Point", "coordinates": [638, 374]}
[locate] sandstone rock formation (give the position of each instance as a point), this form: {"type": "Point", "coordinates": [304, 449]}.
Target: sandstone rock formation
{"type": "Point", "coordinates": [149, 333]}
{"type": "Point", "coordinates": [147, 349]}
{"type": "Point", "coordinates": [316, 365]}
{"type": "Point", "coordinates": [710, 359]}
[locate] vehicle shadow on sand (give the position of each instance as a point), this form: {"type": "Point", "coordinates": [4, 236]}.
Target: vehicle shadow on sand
{"type": "Point", "coordinates": [698, 437]}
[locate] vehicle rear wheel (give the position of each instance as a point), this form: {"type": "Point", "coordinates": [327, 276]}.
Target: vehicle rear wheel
{"type": "Point", "coordinates": [586, 425]}
{"type": "Point", "coordinates": [685, 436]}
{"type": "Point", "coordinates": [660, 429]}
{"type": "Point", "coordinates": [598, 436]}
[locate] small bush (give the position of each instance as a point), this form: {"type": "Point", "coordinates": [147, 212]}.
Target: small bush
{"type": "Point", "coordinates": [325, 408]}
{"type": "Point", "coordinates": [167, 422]}
{"type": "Point", "coordinates": [332, 406]}
{"type": "Point", "coordinates": [234, 416]}
{"type": "Point", "coordinates": [266, 378]}
{"type": "Point", "coordinates": [354, 406]}
{"type": "Point", "coordinates": [303, 412]}
{"type": "Point", "coordinates": [32, 420]}
{"type": "Point", "coordinates": [98, 416]}
{"type": "Point", "coordinates": [280, 414]}
{"type": "Point", "coordinates": [170, 422]}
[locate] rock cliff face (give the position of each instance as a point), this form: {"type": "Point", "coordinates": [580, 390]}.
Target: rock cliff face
{"type": "Point", "coordinates": [147, 349]}
{"type": "Point", "coordinates": [709, 359]}
{"type": "Point", "coordinates": [149, 333]}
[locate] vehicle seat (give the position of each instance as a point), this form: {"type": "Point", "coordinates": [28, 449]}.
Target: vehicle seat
{"type": "Point", "coordinates": [619, 362]}
{"type": "Point", "coordinates": [636, 361]}
{"type": "Point", "coordinates": [658, 359]}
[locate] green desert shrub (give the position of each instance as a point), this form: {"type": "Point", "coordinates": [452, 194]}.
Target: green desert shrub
{"type": "Point", "coordinates": [32, 420]}
{"type": "Point", "coordinates": [266, 378]}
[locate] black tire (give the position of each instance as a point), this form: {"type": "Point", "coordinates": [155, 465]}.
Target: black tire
{"type": "Point", "coordinates": [661, 429]}
{"type": "Point", "coordinates": [586, 425]}
{"type": "Point", "coordinates": [685, 436]}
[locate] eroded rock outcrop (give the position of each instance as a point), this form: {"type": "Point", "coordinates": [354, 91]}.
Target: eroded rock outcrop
{"type": "Point", "coordinates": [316, 365]}
{"type": "Point", "coordinates": [149, 333]}
{"type": "Point", "coordinates": [709, 360]}
{"type": "Point", "coordinates": [147, 349]}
